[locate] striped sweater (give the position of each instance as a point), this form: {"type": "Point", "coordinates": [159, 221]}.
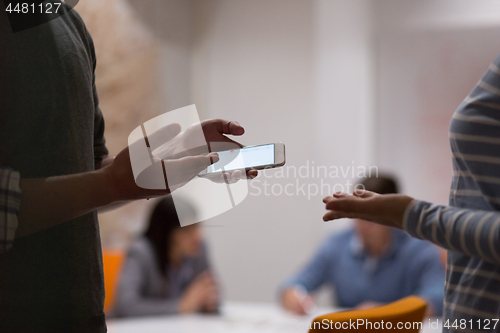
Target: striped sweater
{"type": "Point", "coordinates": [470, 227]}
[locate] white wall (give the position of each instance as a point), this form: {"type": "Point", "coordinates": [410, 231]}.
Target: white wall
{"type": "Point", "coordinates": [430, 54]}
{"type": "Point", "coordinates": [436, 14]}
{"type": "Point", "coordinates": [172, 21]}
{"type": "Point", "coordinates": [344, 77]}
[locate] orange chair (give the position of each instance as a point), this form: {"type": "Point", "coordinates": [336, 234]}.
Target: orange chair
{"type": "Point", "coordinates": [112, 262]}
{"type": "Point", "coordinates": [408, 312]}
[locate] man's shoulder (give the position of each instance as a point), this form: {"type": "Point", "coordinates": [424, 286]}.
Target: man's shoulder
{"type": "Point", "coordinates": [340, 238]}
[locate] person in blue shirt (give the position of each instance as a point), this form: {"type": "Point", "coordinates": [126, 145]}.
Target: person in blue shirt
{"type": "Point", "coordinates": [369, 265]}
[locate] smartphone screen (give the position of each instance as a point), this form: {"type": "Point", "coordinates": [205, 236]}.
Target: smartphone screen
{"type": "Point", "coordinates": [249, 157]}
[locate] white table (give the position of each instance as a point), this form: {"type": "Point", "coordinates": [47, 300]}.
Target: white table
{"type": "Point", "coordinates": [234, 318]}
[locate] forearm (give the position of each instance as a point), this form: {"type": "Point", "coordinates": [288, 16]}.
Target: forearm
{"type": "Point", "coordinates": [46, 202]}
{"type": "Point", "coordinates": [471, 232]}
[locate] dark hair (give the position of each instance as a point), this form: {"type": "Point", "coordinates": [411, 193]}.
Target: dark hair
{"type": "Point", "coordinates": [382, 185]}
{"type": "Point", "coordinates": [162, 223]}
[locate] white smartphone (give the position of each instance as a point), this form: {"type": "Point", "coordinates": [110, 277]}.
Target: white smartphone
{"type": "Point", "coordinates": [267, 156]}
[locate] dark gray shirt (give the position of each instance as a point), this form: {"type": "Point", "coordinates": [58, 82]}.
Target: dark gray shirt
{"type": "Point", "coordinates": [50, 125]}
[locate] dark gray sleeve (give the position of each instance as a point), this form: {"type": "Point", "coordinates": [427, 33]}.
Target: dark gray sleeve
{"type": "Point", "coordinates": [100, 149]}
{"type": "Point", "coordinates": [130, 301]}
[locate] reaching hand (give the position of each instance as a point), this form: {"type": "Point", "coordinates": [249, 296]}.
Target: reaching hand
{"type": "Point", "coordinates": [385, 209]}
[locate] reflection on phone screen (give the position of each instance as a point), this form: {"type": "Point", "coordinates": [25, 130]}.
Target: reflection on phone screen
{"type": "Point", "coordinates": [251, 157]}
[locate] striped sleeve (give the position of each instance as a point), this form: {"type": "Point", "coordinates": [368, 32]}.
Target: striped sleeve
{"type": "Point", "coordinates": [471, 232]}
{"type": "Point", "coordinates": [10, 202]}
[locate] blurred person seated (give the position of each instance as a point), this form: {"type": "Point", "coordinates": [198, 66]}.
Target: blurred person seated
{"type": "Point", "coordinates": [167, 270]}
{"type": "Point", "coordinates": [369, 265]}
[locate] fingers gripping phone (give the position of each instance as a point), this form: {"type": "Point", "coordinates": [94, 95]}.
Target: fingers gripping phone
{"type": "Point", "coordinates": [266, 156]}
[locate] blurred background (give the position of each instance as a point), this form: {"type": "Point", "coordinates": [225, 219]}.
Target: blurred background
{"type": "Point", "coordinates": [346, 84]}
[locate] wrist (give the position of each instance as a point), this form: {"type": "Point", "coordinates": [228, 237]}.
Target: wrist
{"type": "Point", "coordinates": [398, 214]}
{"type": "Point", "coordinates": [107, 190]}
